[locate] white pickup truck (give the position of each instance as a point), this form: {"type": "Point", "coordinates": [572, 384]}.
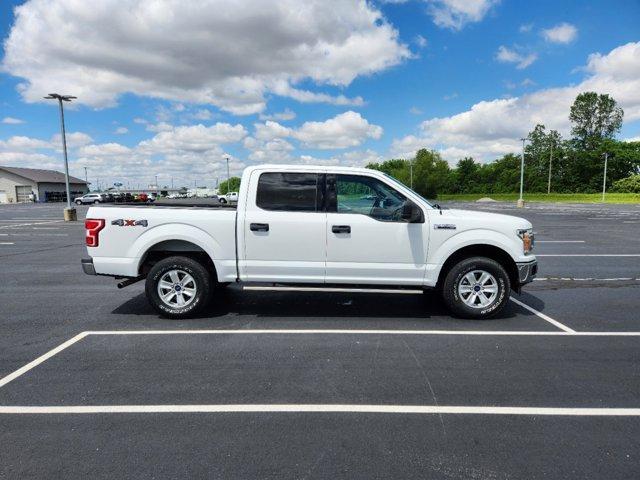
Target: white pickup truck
{"type": "Point", "coordinates": [312, 225]}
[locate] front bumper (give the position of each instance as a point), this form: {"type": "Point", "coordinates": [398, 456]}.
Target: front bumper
{"type": "Point", "coordinates": [527, 271]}
{"type": "Point", "coordinates": [87, 266]}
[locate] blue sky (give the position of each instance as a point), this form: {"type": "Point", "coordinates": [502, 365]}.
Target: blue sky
{"type": "Point", "coordinates": [169, 88]}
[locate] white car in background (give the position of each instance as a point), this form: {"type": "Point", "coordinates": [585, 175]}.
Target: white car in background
{"type": "Point", "coordinates": [231, 197]}
{"type": "Point", "coordinates": [89, 198]}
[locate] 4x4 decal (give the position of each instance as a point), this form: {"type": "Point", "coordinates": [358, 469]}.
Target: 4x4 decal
{"type": "Point", "coordinates": [129, 223]}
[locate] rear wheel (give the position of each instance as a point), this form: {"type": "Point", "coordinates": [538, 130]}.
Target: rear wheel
{"type": "Point", "coordinates": [477, 288]}
{"type": "Point", "coordinates": [178, 287]}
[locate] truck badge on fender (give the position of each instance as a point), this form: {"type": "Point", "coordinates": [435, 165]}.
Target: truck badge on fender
{"type": "Point", "coordinates": [444, 226]}
{"type": "Point", "coordinates": [129, 223]}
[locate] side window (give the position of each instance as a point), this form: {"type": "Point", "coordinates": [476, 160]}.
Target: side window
{"type": "Point", "coordinates": [368, 196]}
{"type": "Point", "coordinates": [289, 192]}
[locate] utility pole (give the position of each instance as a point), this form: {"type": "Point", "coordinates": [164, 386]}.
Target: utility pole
{"type": "Point", "coordinates": [69, 213]}
{"type": "Point", "coordinates": [228, 186]}
{"type": "Point", "coordinates": [520, 203]}
{"type": "Point", "coordinates": [604, 180]}
{"type": "Point", "coordinates": [550, 162]}
{"type": "Point", "coordinates": [411, 174]}
{"type": "Point", "coordinates": [85, 175]}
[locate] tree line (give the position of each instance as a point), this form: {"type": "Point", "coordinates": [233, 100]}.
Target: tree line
{"type": "Point", "coordinates": [552, 163]}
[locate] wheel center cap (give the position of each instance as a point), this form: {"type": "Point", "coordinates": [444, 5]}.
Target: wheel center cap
{"type": "Point", "coordinates": [177, 288]}
{"type": "Point", "coordinates": [477, 288]}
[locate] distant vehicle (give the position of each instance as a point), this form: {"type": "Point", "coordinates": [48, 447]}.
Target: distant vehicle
{"type": "Point", "coordinates": [90, 198]}
{"type": "Point", "coordinates": [231, 197]}
{"type": "Point", "coordinates": [284, 231]}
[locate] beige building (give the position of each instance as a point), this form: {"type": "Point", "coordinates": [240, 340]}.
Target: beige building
{"type": "Point", "coordinates": [16, 184]}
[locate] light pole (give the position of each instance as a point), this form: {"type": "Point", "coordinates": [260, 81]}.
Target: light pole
{"type": "Point", "coordinates": [604, 179]}
{"type": "Point", "coordinates": [520, 203]}
{"type": "Point", "coordinates": [69, 213]}
{"type": "Point", "coordinates": [228, 186]}
{"type": "Point", "coordinates": [550, 162]}
{"type": "Point", "coordinates": [411, 174]}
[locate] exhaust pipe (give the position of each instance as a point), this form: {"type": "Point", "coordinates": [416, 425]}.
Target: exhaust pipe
{"type": "Point", "coordinates": [129, 281]}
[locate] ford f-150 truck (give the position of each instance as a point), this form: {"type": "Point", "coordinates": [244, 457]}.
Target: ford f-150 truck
{"type": "Point", "coordinates": [312, 225]}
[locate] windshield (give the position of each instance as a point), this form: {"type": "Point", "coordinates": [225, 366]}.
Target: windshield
{"type": "Point", "coordinates": [398, 182]}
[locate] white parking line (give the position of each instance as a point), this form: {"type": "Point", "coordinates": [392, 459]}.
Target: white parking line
{"type": "Point", "coordinates": [543, 316]}
{"type": "Point", "coordinates": [40, 359]}
{"type": "Point", "coordinates": [326, 408]}
{"type": "Point", "coordinates": [7, 243]}
{"type": "Point", "coordinates": [560, 241]}
{"type": "Point", "coordinates": [30, 224]}
{"type": "Point", "coordinates": [588, 255]}
{"type": "Point", "coordinates": [310, 331]}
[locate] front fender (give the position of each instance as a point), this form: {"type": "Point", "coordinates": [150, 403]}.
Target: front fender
{"type": "Point", "coordinates": [479, 236]}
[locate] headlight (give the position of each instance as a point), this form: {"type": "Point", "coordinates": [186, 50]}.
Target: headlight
{"type": "Point", "coordinates": [528, 239]}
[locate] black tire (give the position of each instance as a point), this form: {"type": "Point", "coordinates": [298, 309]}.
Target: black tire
{"type": "Point", "coordinates": [222, 200]}
{"type": "Point", "coordinates": [96, 202]}
{"type": "Point", "coordinates": [78, 202]}
{"type": "Point", "coordinates": [200, 275]}
{"type": "Point", "coordinates": [456, 302]}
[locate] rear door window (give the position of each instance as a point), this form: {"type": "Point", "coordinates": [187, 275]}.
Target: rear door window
{"type": "Point", "coordinates": [289, 192]}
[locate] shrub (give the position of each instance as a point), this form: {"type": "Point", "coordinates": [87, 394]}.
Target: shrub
{"type": "Point", "coordinates": [627, 185]}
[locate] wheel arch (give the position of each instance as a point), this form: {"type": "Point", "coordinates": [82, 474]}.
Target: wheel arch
{"type": "Point", "coordinates": [481, 250]}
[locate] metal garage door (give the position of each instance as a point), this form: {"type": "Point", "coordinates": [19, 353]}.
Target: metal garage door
{"type": "Point", "coordinates": [3, 197]}
{"type": "Point", "coordinates": [22, 193]}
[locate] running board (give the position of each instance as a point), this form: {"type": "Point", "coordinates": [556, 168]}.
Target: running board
{"type": "Point", "coordinates": [332, 289]}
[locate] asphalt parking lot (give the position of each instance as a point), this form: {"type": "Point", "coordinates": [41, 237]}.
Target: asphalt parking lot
{"type": "Point", "coordinates": [279, 384]}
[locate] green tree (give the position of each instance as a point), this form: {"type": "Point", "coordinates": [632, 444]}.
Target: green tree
{"type": "Point", "coordinates": [234, 186]}
{"type": "Point", "coordinates": [595, 117]}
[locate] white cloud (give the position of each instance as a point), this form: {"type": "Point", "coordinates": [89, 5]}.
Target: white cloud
{"type": "Point", "coordinates": [12, 121]}
{"type": "Point", "coordinates": [121, 130]}
{"type": "Point", "coordinates": [286, 114]}
{"type": "Point", "coordinates": [455, 14]}
{"type": "Point", "coordinates": [507, 55]}
{"type": "Point", "coordinates": [561, 33]}
{"type": "Point", "coordinates": [525, 28]}
{"type": "Point", "coordinates": [348, 129]}
{"type": "Point", "coordinates": [415, 111]}
{"type": "Point", "coordinates": [420, 41]}
{"type": "Point", "coordinates": [492, 128]}
{"type": "Point", "coordinates": [74, 139]}
{"type": "Point", "coordinates": [202, 114]}
{"type": "Point", "coordinates": [194, 138]}
{"type": "Point", "coordinates": [187, 51]}
{"type": "Point", "coordinates": [450, 96]}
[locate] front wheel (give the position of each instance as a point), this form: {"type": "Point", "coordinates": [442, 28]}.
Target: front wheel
{"type": "Point", "coordinates": [178, 287]}
{"type": "Point", "coordinates": [222, 200]}
{"type": "Point", "coordinates": [78, 202]}
{"type": "Point", "coordinates": [476, 288]}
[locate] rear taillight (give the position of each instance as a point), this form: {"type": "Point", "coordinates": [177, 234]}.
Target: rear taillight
{"type": "Point", "coordinates": [93, 227]}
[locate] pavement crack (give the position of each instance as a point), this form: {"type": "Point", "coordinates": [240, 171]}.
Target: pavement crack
{"type": "Point", "coordinates": [427, 382]}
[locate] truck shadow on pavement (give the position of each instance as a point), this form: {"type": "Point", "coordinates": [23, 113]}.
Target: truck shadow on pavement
{"type": "Point", "coordinates": [232, 301]}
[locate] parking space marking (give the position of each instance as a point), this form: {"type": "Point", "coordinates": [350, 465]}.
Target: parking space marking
{"type": "Point", "coordinates": [310, 331]}
{"type": "Point", "coordinates": [588, 255]}
{"type": "Point", "coordinates": [543, 316]}
{"type": "Point", "coordinates": [325, 408]}
{"type": "Point", "coordinates": [30, 224]}
{"type": "Point", "coordinates": [7, 243]}
{"type": "Point", "coordinates": [560, 241]}
{"type": "Point", "coordinates": [40, 359]}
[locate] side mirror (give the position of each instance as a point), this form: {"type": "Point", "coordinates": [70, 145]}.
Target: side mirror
{"type": "Point", "coordinates": [411, 212]}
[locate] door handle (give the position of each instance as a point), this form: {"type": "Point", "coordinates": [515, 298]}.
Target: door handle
{"type": "Point", "coordinates": [341, 228]}
{"type": "Point", "coordinates": [259, 227]}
